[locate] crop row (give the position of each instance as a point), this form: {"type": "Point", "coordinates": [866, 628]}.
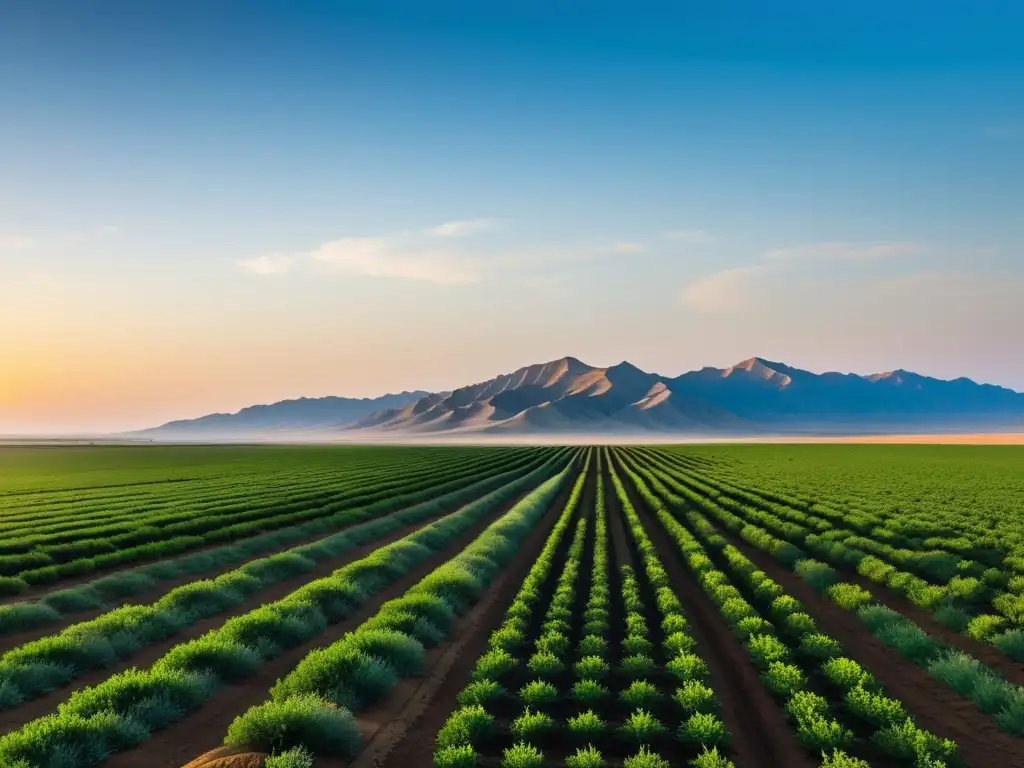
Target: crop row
{"type": "Point", "coordinates": [953, 588]}
{"type": "Point", "coordinates": [41, 665]}
{"type": "Point", "coordinates": [311, 708]}
{"type": "Point", "coordinates": [120, 712]}
{"type": "Point", "coordinates": [833, 703]}
{"type": "Point", "coordinates": [283, 516]}
{"type": "Point", "coordinates": [991, 693]}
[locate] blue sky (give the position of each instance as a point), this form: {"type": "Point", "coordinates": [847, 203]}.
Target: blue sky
{"type": "Point", "coordinates": [204, 205]}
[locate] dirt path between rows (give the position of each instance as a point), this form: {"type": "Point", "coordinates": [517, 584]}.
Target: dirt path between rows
{"type": "Point", "coordinates": [401, 732]}
{"type": "Point", "coordinates": [761, 736]}
{"type": "Point", "coordinates": [204, 729]}
{"type": "Point", "coordinates": [935, 707]}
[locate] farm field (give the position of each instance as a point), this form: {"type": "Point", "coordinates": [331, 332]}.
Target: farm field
{"type": "Point", "coordinates": [781, 606]}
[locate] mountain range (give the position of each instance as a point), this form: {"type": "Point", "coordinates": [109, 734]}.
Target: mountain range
{"type": "Point", "coordinates": [567, 396]}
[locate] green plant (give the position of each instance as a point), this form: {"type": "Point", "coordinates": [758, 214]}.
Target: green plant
{"type": "Point", "coordinates": [545, 664]}
{"type": "Point", "coordinates": [532, 724]}
{"type": "Point", "coordinates": [711, 759]}
{"type": "Point", "coordinates": [821, 734]}
{"type": "Point", "coordinates": [522, 755]}
{"type": "Point", "coordinates": [538, 692]}
{"type": "Point", "coordinates": [588, 691]}
{"type": "Point", "coordinates": [695, 696]}
{"type": "Point", "coordinates": [646, 759]}
{"type": "Point", "coordinates": [463, 756]}
{"type": "Point", "coordinates": [638, 666]}
{"type": "Point", "coordinates": [688, 666]}
{"type": "Point", "coordinates": [984, 626]}
{"type": "Point", "coordinates": [480, 692]}
{"type": "Point", "coordinates": [641, 726]}
{"type": "Point", "coordinates": [640, 694]}
{"type": "Point", "coordinates": [764, 649]}
{"type": "Point", "coordinates": [493, 664]}
{"type": "Point", "coordinates": [633, 645]}
{"type": "Point", "coordinates": [846, 673]}
{"type": "Point", "coordinates": [299, 757]}
{"type": "Point", "coordinates": [703, 728]}
{"type": "Point", "coordinates": [821, 647]}
{"type": "Point", "coordinates": [586, 725]}
{"type": "Point", "coordinates": [307, 720]}
{"type": "Point", "coordinates": [464, 726]}
{"type": "Point", "coordinates": [849, 597]}
{"type": "Point", "coordinates": [591, 667]}
{"type": "Point", "coordinates": [908, 742]}
{"type": "Point", "coordinates": [839, 759]}
{"type": "Point", "coordinates": [679, 642]}
{"type": "Point", "coordinates": [585, 757]}
{"type": "Point", "coordinates": [592, 645]}
{"type": "Point", "coordinates": [875, 707]}
{"type": "Point", "coordinates": [783, 679]}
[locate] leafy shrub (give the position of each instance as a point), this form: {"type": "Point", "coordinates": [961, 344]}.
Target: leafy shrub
{"type": "Point", "coordinates": [465, 726]}
{"type": "Point", "coordinates": [799, 624]}
{"type": "Point", "coordinates": [480, 692]}
{"type": "Point", "coordinates": [299, 757]}
{"type": "Point", "coordinates": [401, 652]}
{"type": "Point", "coordinates": [633, 645]}
{"type": "Point", "coordinates": [592, 645]}
{"type": "Point", "coordinates": [305, 720]}
{"type": "Point", "coordinates": [532, 723]}
{"type": "Point", "coordinates": [493, 664]}
{"type": "Point", "coordinates": [821, 647]}
{"type": "Point", "coordinates": [764, 649]}
{"type": "Point", "coordinates": [1011, 643]}
{"type": "Point", "coordinates": [645, 759]}
{"type": "Point", "coordinates": [805, 705]}
{"type": "Point", "coordinates": [638, 666]}
{"type": "Point", "coordinates": [640, 694]}
{"type": "Point", "coordinates": [821, 734]}
{"type": "Point", "coordinates": [846, 673]}
{"type": "Point", "coordinates": [694, 696]}
{"type": "Point", "coordinates": [507, 639]}
{"type": "Point", "coordinates": [674, 622]}
{"type": "Point", "coordinates": [545, 664]}
{"type": "Point", "coordinates": [952, 617]}
{"type": "Point", "coordinates": [753, 625]}
{"type": "Point", "coordinates": [839, 759]}
{"type": "Point", "coordinates": [641, 726]}
{"type": "Point", "coordinates": [909, 640]}
{"type": "Point", "coordinates": [592, 667]}
{"type": "Point", "coordinates": [875, 707]}
{"type": "Point", "coordinates": [462, 756]}
{"type": "Point", "coordinates": [819, 575]}
{"type": "Point", "coordinates": [522, 755]}
{"type": "Point", "coordinates": [586, 757]}
{"type": "Point", "coordinates": [588, 691]}
{"type": "Point", "coordinates": [586, 725]}
{"type": "Point", "coordinates": [538, 692]}
{"type": "Point", "coordinates": [849, 597]}
{"type": "Point", "coordinates": [553, 642]}
{"type": "Point", "coordinates": [908, 742]}
{"type": "Point", "coordinates": [688, 666]}
{"type": "Point", "coordinates": [783, 679]}
{"type": "Point", "coordinates": [679, 642]}
{"type": "Point", "coordinates": [703, 728]}
{"type": "Point", "coordinates": [984, 626]}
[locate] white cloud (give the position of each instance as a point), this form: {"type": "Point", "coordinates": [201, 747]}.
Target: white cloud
{"type": "Point", "coordinates": [843, 251]}
{"type": "Point", "coordinates": [462, 228]}
{"type": "Point", "coordinates": [271, 264]}
{"type": "Point", "coordinates": [628, 247]}
{"type": "Point", "coordinates": [696, 236]}
{"type": "Point", "coordinates": [730, 290]}
{"type": "Point", "coordinates": [390, 257]}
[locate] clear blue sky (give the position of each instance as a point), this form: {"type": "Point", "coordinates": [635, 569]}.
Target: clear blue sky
{"type": "Point", "coordinates": [209, 204]}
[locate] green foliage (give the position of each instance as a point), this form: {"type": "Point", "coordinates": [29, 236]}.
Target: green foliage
{"type": "Point", "coordinates": [646, 759]}
{"type": "Point", "coordinates": [480, 692]}
{"type": "Point", "coordinates": [640, 695]}
{"type": "Point", "coordinates": [846, 673]}
{"type": "Point", "coordinates": [462, 756]}
{"type": "Point", "coordinates": [688, 666]}
{"type": "Point", "coordinates": [783, 679]}
{"type": "Point", "coordinates": [299, 757]}
{"type": "Point", "coordinates": [494, 664]}
{"type": "Point", "coordinates": [538, 692]}
{"type": "Point", "coordinates": [641, 726]}
{"type": "Point", "coordinates": [703, 728]}
{"type": "Point", "coordinates": [522, 755]}
{"type": "Point", "coordinates": [839, 759]}
{"type": "Point", "coordinates": [299, 721]}
{"type": "Point", "coordinates": [589, 691]}
{"type": "Point", "coordinates": [587, 725]}
{"type": "Point", "coordinates": [585, 757]}
{"type": "Point", "coordinates": [530, 724]}
{"type": "Point", "coordinates": [820, 647]}
{"type": "Point", "coordinates": [638, 666]}
{"type": "Point", "coordinates": [545, 664]}
{"type": "Point", "coordinates": [465, 725]}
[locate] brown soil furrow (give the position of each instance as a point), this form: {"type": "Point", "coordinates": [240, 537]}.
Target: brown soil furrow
{"type": "Point", "coordinates": [204, 730]}
{"type": "Point", "coordinates": [762, 738]}
{"type": "Point", "coordinates": [162, 588]}
{"type": "Point", "coordinates": [935, 707]}
{"type": "Point", "coordinates": [401, 731]}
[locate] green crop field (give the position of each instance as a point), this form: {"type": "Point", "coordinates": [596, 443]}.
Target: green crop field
{"type": "Point", "coordinates": [701, 605]}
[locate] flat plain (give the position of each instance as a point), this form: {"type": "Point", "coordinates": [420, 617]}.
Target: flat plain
{"type": "Point", "coordinates": [641, 606]}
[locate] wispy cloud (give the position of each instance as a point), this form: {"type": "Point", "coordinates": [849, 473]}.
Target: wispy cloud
{"type": "Point", "coordinates": [462, 228]}
{"type": "Point", "coordinates": [729, 290]}
{"type": "Point", "coordinates": [270, 264]}
{"type": "Point", "coordinates": [628, 247]}
{"type": "Point", "coordinates": [737, 288]}
{"type": "Point", "coordinates": [391, 257]}
{"type": "Point", "coordinates": [843, 251]}
{"type": "Point", "coordinates": [696, 236]}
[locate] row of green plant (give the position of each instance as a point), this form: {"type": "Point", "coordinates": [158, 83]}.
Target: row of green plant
{"type": "Point", "coordinates": [954, 604]}
{"type": "Point", "coordinates": [84, 556]}
{"type": "Point", "coordinates": [797, 662]}
{"type": "Point", "coordinates": [970, 678]}
{"type": "Point", "coordinates": [701, 723]}
{"type": "Point", "coordinates": [120, 712]}
{"type": "Point", "coordinates": [111, 589]}
{"type": "Point", "coordinates": [312, 706]}
{"type": "Point", "coordinates": [41, 665]}
{"type": "Point", "coordinates": [302, 524]}
{"type": "Point", "coordinates": [953, 587]}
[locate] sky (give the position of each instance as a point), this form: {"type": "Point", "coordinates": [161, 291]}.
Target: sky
{"type": "Point", "coordinates": [205, 205]}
